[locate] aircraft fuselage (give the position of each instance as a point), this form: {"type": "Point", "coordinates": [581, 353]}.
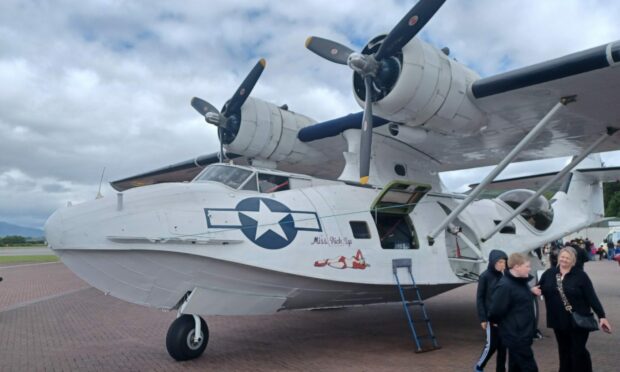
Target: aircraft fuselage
{"type": "Point", "coordinates": [314, 244]}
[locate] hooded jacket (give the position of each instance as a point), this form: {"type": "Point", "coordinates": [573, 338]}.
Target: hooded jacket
{"type": "Point", "coordinates": [486, 284]}
{"type": "Point", "coordinates": [513, 310]}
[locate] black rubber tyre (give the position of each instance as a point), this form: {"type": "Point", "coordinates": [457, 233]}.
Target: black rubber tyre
{"type": "Point", "coordinates": [179, 340]}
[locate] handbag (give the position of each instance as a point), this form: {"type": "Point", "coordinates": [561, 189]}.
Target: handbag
{"type": "Point", "coordinates": [586, 322]}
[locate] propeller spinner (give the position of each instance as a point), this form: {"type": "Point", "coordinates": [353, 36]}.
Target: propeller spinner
{"type": "Point", "coordinates": [376, 68]}
{"type": "Point", "coordinates": [227, 121]}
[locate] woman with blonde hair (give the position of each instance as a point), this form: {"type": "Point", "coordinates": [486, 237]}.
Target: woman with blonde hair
{"type": "Point", "coordinates": [568, 289]}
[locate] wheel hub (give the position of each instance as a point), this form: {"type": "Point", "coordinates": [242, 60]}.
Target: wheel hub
{"type": "Point", "coordinates": [194, 345]}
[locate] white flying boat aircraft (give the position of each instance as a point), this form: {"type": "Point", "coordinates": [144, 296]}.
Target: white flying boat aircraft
{"type": "Point", "coordinates": [295, 214]}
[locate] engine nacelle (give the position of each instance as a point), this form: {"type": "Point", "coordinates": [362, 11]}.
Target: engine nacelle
{"type": "Point", "coordinates": [269, 132]}
{"type": "Point", "coordinates": [431, 91]}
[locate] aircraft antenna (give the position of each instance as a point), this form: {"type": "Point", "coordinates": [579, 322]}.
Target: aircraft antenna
{"type": "Point", "coordinates": [99, 195]}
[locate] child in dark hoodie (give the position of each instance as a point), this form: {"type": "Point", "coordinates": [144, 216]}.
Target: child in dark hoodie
{"type": "Point", "coordinates": [486, 285]}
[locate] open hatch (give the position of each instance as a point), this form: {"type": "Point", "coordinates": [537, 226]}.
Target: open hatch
{"type": "Point", "coordinates": [391, 210]}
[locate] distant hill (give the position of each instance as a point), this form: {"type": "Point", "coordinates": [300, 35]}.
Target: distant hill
{"type": "Point", "coordinates": [7, 229]}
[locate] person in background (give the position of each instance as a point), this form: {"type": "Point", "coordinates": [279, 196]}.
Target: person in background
{"type": "Point", "coordinates": [601, 253]}
{"type": "Point", "coordinates": [486, 284]}
{"type": "Point", "coordinates": [553, 253]}
{"type": "Point", "coordinates": [587, 245]}
{"type": "Point", "coordinates": [582, 255]}
{"type": "Point", "coordinates": [578, 289]}
{"type": "Point", "coordinates": [610, 250]}
{"type": "Point", "coordinates": [511, 308]}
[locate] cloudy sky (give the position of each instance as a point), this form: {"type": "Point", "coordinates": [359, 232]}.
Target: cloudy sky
{"type": "Point", "coordinates": [91, 84]}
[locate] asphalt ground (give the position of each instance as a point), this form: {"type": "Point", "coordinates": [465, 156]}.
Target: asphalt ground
{"type": "Point", "coordinates": [50, 320]}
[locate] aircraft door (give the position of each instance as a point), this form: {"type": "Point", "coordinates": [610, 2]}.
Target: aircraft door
{"type": "Point", "coordinates": [391, 212]}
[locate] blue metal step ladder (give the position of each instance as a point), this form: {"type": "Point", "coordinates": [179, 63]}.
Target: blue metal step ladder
{"type": "Point", "coordinates": [406, 264]}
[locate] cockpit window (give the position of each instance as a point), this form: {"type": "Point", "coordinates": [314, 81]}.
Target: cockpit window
{"type": "Point", "coordinates": [272, 183]}
{"type": "Point", "coordinates": [251, 184]}
{"type": "Point", "coordinates": [230, 176]}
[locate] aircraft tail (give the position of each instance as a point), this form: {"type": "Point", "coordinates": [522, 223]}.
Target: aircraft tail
{"type": "Point", "coordinates": [579, 202]}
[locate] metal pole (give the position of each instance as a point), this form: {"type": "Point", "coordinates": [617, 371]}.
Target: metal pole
{"type": "Point", "coordinates": [499, 168]}
{"type": "Point", "coordinates": [544, 187]}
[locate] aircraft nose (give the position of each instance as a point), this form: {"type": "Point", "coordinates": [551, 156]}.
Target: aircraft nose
{"type": "Point", "coordinates": [53, 230]}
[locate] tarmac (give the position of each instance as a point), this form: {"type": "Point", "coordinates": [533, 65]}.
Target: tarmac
{"type": "Point", "coordinates": [50, 320]}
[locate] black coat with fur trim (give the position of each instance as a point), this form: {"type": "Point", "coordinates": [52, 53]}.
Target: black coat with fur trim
{"type": "Point", "coordinates": [579, 292]}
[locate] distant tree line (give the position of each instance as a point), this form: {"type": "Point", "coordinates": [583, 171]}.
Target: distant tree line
{"type": "Point", "coordinates": [16, 240]}
{"type": "Point", "coordinates": [611, 198]}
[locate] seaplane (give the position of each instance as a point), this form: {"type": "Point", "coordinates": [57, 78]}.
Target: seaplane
{"type": "Point", "coordinates": [292, 214]}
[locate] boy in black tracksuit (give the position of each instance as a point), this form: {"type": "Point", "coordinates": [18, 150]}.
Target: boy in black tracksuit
{"type": "Point", "coordinates": [512, 309]}
{"type": "Point", "coordinates": [486, 285]}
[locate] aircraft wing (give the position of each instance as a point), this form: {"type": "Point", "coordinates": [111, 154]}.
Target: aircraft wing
{"type": "Point", "coordinates": [179, 172]}
{"type": "Point", "coordinates": [535, 181]}
{"type": "Point", "coordinates": [517, 100]}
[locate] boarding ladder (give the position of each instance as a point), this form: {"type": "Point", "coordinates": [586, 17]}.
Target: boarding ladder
{"type": "Point", "coordinates": [406, 264]}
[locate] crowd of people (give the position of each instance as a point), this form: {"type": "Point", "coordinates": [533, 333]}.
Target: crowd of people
{"type": "Point", "coordinates": [506, 304]}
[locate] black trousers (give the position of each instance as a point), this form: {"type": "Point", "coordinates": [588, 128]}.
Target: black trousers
{"type": "Point", "coordinates": [574, 357]}
{"type": "Point", "coordinates": [521, 359]}
{"type": "Point", "coordinates": [494, 343]}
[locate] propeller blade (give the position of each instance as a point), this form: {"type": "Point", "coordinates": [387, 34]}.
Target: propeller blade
{"type": "Point", "coordinates": [202, 106]}
{"type": "Point", "coordinates": [408, 27]}
{"type": "Point", "coordinates": [366, 140]}
{"type": "Point", "coordinates": [328, 49]}
{"type": "Point", "coordinates": [243, 92]}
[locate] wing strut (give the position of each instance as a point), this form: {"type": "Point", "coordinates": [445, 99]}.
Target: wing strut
{"type": "Point", "coordinates": [500, 167]}
{"type": "Point", "coordinates": [459, 234]}
{"type": "Point", "coordinates": [610, 131]}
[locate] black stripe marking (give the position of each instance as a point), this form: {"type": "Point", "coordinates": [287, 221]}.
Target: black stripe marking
{"type": "Point", "coordinates": [572, 64]}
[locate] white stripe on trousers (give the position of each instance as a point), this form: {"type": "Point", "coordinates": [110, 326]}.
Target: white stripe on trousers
{"type": "Point", "coordinates": [487, 346]}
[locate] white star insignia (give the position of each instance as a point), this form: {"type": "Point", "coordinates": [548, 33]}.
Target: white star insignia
{"type": "Point", "coordinates": [267, 220]}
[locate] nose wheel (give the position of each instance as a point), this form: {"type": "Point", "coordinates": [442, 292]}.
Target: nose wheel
{"type": "Point", "coordinates": [187, 337]}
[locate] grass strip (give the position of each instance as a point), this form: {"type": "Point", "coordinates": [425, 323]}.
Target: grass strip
{"type": "Point", "coordinates": [22, 246]}
{"type": "Point", "coordinates": [28, 259]}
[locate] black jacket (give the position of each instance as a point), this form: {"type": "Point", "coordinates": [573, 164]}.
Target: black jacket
{"type": "Point", "coordinates": [512, 307]}
{"type": "Point", "coordinates": [579, 292]}
{"type": "Point", "coordinates": [486, 284]}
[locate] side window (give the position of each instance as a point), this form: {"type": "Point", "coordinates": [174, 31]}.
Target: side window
{"type": "Point", "coordinates": [360, 229]}
{"type": "Point", "coordinates": [272, 183]}
{"type": "Point", "coordinates": [508, 229]}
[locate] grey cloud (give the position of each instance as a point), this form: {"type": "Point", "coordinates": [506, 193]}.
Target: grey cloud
{"type": "Point", "coordinates": [54, 188]}
{"type": "Point", "coordinates": [88, 85]}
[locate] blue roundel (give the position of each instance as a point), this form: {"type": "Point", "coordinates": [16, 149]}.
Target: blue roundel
{"type": "Point", "coordinates": [266, 222]}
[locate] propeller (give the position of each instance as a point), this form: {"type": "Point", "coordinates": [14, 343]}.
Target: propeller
{"type": "Point", "coordinates": [228, 120]}
{"type": "Point", "coordinates": [377, 68]}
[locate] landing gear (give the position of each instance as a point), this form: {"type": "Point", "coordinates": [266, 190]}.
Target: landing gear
{"type": "Point", "coordinates": [187, 337]}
